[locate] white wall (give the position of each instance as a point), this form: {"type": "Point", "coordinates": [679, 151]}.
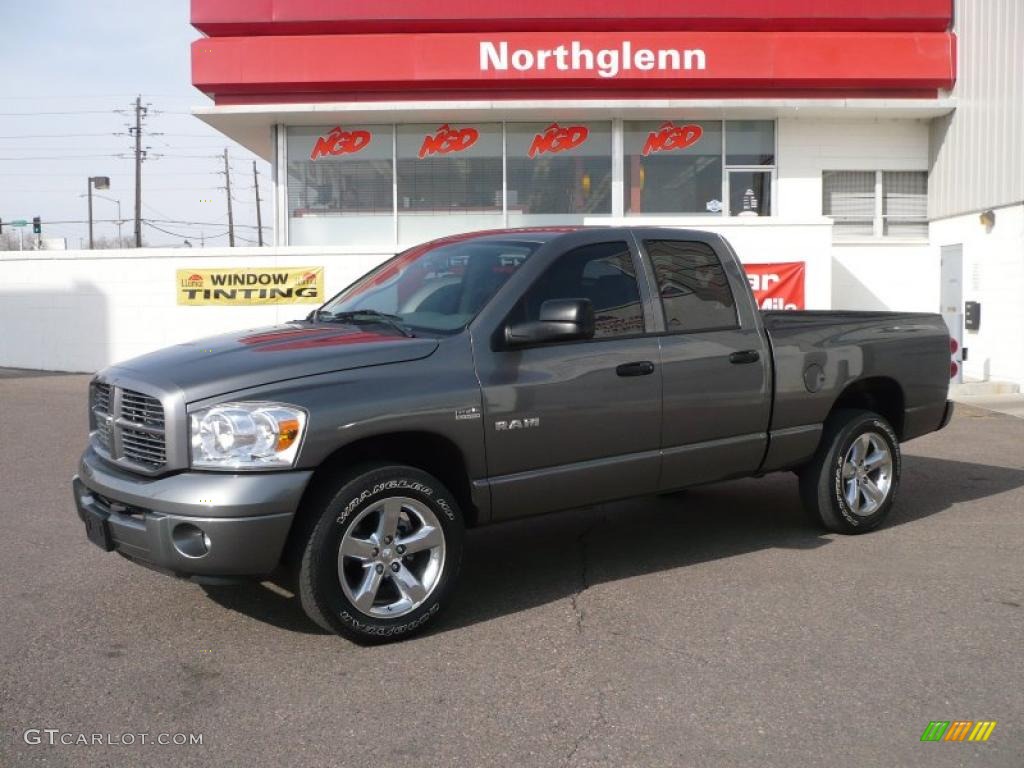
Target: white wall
{"type": "Point", "coordinates": [809, 146]}
{"type": "Point", "coordinates": [83, 310]}
{"type": "Point", "coordinates": [896, 277]}
{"type": "Point", "coordinates": [994, 276]}
{"type": "Point", "coordinates": [867, 274]}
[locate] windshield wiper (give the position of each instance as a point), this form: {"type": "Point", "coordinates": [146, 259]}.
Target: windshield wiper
{"type": "Point", "coordinates": [364, 316]}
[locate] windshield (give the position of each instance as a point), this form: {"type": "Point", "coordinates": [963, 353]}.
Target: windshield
{"type": "Point", "coordinates": [435, 287]}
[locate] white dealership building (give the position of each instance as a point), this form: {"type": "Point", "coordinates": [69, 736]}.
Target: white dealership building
{"type": "Point", "coordinates": [880, 146]}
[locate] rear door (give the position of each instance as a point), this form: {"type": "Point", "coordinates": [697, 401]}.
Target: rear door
{"type": "Point", "coordinates": [715, 366]}
{"type": "Point", "coordinates": [574, 423]}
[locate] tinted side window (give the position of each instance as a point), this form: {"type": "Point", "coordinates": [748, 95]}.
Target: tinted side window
{"type": "Point", "coordinates": [603, 273]}
{"type": "Point", "coordinates": [692, 284]}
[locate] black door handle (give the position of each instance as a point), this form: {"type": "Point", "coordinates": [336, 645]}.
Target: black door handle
{"type": "Point", "coordinates": [643, 368]}
{"type": "Point", "coordinates": [745, 357]}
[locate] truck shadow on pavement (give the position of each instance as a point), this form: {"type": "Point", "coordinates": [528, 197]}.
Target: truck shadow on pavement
{"type": "Point", "coordinates": [520, 565]}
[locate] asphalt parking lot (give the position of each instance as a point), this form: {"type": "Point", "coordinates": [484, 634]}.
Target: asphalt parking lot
{"type": "Point", "coordinates": [714, 628]}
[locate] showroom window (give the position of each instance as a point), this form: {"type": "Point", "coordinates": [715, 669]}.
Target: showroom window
{"type": "Point", "coordinates": [871, 204]}
{"type": "Point", "coordinates": [699, 167]}
{"type": "Point", "coordinates": [558, 173]}
{"type": "Point", "coordinates": [393, 186]}
{"type": "Point", "coordinates": [449, 179]}
{"type": "Point", "coordinates": [340, 184]}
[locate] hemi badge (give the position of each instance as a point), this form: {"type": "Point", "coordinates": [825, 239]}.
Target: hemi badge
{"type": "Point", "coordinates": [465, 414]}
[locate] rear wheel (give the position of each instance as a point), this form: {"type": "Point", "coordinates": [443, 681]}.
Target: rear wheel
{"type": "Point", "coordinates": [851, 484]}
{"type": "Point", "coordinates": [383, 556]}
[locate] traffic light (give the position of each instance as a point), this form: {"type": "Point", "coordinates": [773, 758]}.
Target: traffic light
{"type": "Point", "coordinates": [37, 226]}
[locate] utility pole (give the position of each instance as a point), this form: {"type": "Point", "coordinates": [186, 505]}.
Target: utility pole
{"type": "Point", "coordinates": [231, 216]}
{"type": "Point", "coordinates": [90, 213]}
{"type": "Point", "coordinates": [259, 213]}
{"type": "Point", "coordinates": [140, 111]}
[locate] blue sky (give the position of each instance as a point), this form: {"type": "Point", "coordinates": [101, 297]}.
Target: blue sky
{"type": "Point", "coordinates": [86, 60]}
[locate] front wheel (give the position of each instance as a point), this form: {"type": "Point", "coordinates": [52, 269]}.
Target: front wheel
{"type": "Point", "coordinates": [383, 556]}
{"type": "Point", "coordinates": [850, 485]}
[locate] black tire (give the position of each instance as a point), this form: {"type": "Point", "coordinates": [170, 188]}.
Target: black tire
{"type": "Point", "coordinates": [824, 490]}
{"type": "Point", "coordinates": [337, 509]}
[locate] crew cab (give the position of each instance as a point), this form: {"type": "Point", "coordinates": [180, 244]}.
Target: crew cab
{"type": "Point", "coordinates": [482, 378]}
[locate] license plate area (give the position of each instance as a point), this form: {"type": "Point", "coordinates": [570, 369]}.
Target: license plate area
{"type": "Point", "coordinates": [97, 529]}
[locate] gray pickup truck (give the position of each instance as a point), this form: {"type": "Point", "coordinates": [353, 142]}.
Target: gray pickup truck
{"type": "Point", "coordinates": [486, 377]}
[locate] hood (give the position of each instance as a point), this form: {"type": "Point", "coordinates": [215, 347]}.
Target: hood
{"type": "Point", "coordinates": [234, 361]}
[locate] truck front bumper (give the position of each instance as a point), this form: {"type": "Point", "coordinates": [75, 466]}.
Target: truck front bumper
{"type": "Point", "coordinates": [208, 526]}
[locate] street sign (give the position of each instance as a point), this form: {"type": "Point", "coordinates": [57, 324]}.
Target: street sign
{"type": "Point", "coordinates": [18, 223]}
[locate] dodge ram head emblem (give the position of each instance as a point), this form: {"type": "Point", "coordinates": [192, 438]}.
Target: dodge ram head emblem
{"type": "Point", "coordinates": [508, 426]}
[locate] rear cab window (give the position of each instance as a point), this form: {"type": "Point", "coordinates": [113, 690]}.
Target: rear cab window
{"type": "Point", "coordinates": [692, 286]}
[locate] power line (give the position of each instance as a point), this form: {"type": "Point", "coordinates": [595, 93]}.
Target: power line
{"type": "Point", "coordinates": [204, 223]}
{"type": "Point", "coordinates": [122, 173]}
{"type": "Point", "coordinates": [48, 222]}
{"type": "Point", "coordinates": [46, 114]}
{"type": "Point", "coordinates": [51, 148]}
{"type": "Point", "coordinates": [54, 157]}
{"type": "Point", "coordinates": [184, 237]}
{"type": "Point", "coordinates": [53, 135]}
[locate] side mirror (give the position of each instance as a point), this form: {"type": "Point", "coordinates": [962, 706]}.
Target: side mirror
{"type": "Point", "coordinates": [560, 320]}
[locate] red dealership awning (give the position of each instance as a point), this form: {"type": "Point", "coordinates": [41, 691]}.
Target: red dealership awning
{"type": "Point", "coordinates": [302, 17]}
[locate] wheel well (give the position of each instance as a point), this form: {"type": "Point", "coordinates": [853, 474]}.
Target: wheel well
{"type": "Point", "coordinates": [881, 395]}
{"type": "Point", "coordinates": [424, 450]}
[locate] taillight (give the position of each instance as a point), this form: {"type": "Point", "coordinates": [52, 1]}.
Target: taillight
{"type": "Point", "coordinates": [954, 369]}
{"type": "Point", "coordinates": [953, 346]}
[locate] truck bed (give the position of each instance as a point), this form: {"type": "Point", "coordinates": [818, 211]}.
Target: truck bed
{"type": "Point", "coordinates": [779, 320]}
{"type": "Point", "coordinates": [821, 358]}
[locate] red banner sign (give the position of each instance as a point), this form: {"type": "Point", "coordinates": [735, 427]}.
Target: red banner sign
{"type": "Point", "coordinates": [302, 17]}
{"type": "Point", "coordinates": [448, 140]}
{"type": "Point", "coordinates": [240, 69]}
{"type": "Point", "coordinates": [777, 286]}
{"type": "Point", "coordinates": [556, 139]}
{"type": "Point", "coordinates": [339, 142]}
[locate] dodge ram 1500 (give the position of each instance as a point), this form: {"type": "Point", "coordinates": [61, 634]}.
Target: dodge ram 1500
{"type": "Point", "coordinates": [486, 377]}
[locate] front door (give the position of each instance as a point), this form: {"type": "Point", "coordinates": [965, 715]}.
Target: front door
{"type": "Point", "coordinates": [575, 423]}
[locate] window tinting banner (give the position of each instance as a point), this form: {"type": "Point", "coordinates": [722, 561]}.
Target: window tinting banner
{"type": "Point", "coordinates": [251, 286]}
{"type": "Point", "coordinates": [777, 286]}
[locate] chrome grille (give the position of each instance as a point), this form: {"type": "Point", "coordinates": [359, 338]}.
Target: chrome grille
{"type": "Point", "coordinates": [101, 409]}
{"type": "Point", "coordinates": [129, 427]}
{"type": "Point", "coordinates": [103, 433]}
{"type": "Point", "coordinates": [143, 448]}
{"type": "Point", "coordinates": [141, 409]}
{"type": "Point", "coordinates": [101, 397]}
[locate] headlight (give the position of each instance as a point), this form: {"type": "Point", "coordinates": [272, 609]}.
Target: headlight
{"type": "Point", "coordinates": [247, 436]}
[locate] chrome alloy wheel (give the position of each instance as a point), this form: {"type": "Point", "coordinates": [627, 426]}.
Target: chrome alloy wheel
{"type": "Point", "coordinates": [867, 474]}
{"type": "Point", "coordinates": [391, 557]}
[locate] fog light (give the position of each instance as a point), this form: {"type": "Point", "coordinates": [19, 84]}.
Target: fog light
{"type": "Point", "coordinates": [190, 540]}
